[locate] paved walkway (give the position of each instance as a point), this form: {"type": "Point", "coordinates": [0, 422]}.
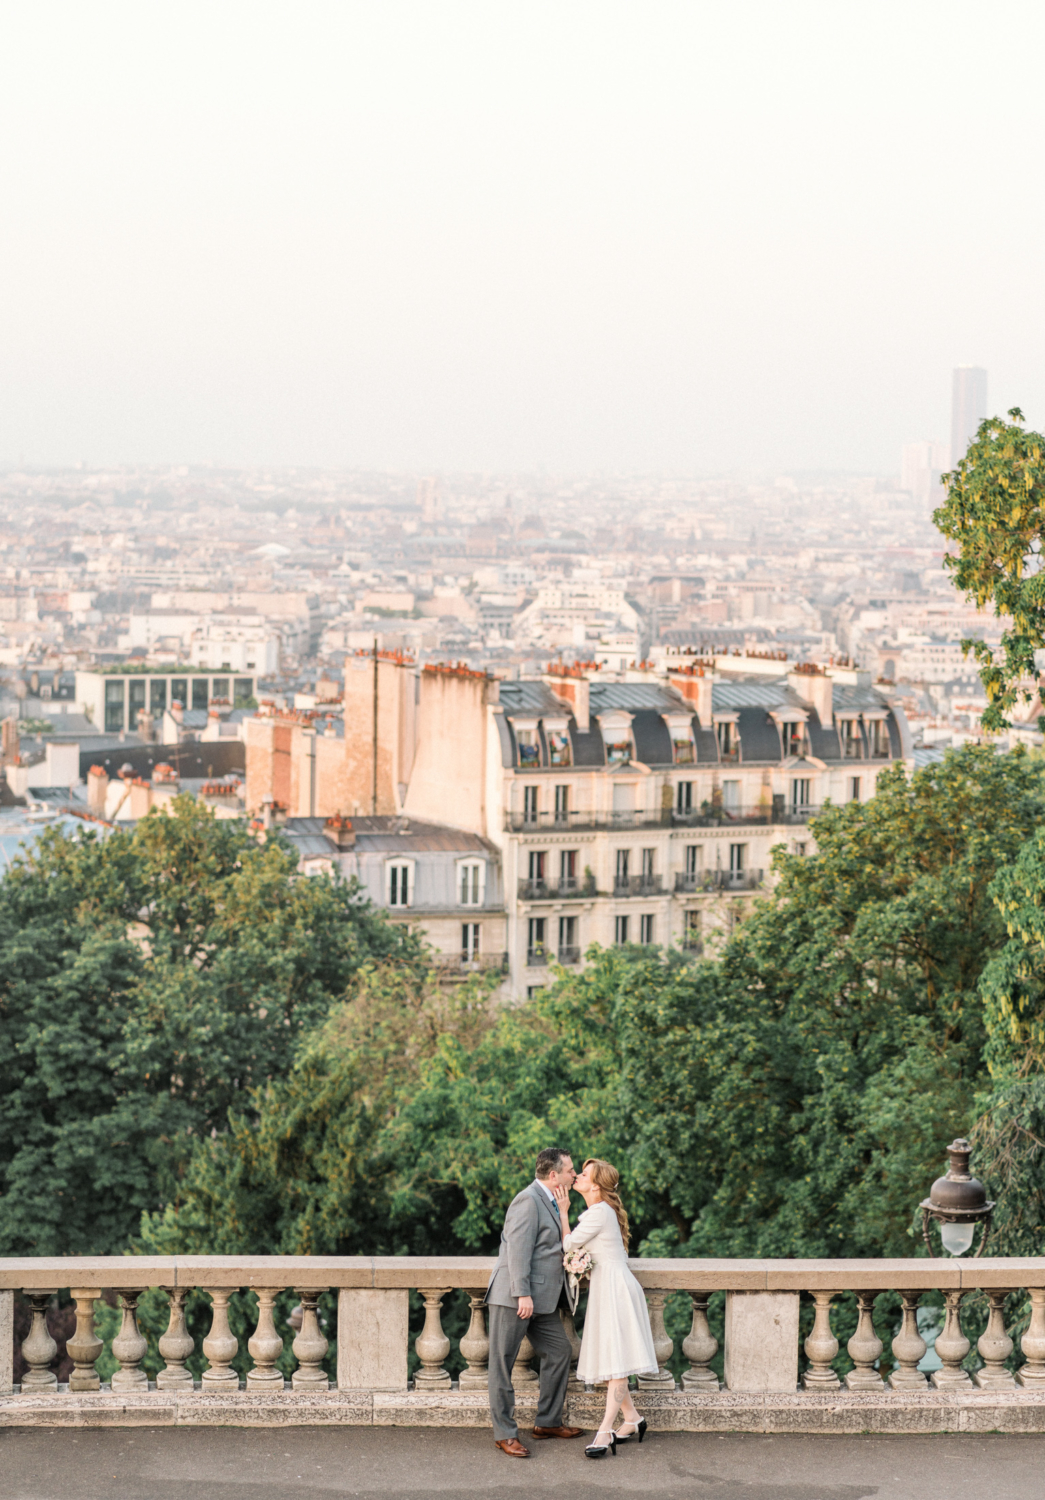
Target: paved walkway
{"type": "Point", "coordinates": [319, 1463]}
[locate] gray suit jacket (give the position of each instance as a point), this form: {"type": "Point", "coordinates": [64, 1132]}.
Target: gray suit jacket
{"type": "Point", "coordinates": [530, 1259]}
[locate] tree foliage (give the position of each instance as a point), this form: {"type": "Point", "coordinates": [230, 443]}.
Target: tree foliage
{"type": "Point", "coordinates": [148, 981]}
{"type": "Point", "coordinates": [995, 512]}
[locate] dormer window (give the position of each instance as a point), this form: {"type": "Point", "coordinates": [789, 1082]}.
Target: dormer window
{"type": "Point", "coordinates": [851, 738]}
{"type": "Point", "coordinates": [680, 728]}
{"type": "Point", "coordinates": [400, 882]}
{"type": "Point", "coordinates": [529, 747]}
{"type": "Point", "coordinates": [558, 738]}
{"type": "Point", "coordinates": [615, 728]}
{"type": "Point", "coordinates": [471, 880]}
{"type": "Point", "coordinates": [618, 752]}
{"type": "Point", "coordinates": [794, 739]}
{"type": "Point", "coordinates": [728, 740]}
{"type": "Point", "coordinates": [878, 735]}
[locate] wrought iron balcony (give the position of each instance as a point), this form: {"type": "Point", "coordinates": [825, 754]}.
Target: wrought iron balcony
{"type": "Point", "coordinates": [637, 885]}
{"type": "Point", "coordinates": [564, 888]}
{"type": "Point", "coordinates": [569, 955]}
{"type": "Point", "coordinates": [536, 958]}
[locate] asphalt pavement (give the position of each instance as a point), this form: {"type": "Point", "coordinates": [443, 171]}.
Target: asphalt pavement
{"type": "Point", "coordinates": [390, 1463]}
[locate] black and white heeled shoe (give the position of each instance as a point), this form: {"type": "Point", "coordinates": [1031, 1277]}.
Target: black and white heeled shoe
{"type": "Point", "coordinates": [600, 1450]}
{"type": "Point", "coordinates": [639, 1431]}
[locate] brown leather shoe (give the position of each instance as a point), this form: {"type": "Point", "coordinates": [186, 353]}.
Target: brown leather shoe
{"type": "Point", "coordinates": [543, 1432]}
{"type": "Point", "coordinates": [513, 1448]}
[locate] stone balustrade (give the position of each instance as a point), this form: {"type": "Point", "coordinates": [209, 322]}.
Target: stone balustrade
{"type": "Point", "coordinates": [762, 1389]}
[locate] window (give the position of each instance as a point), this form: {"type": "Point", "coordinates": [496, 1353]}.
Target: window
{"type": "Point", "coordinates": [683, 751]}
{"type": "Point", "coordinates": [800, 794]}
{"type": "Point", "coordinates": [471, 882]}
{"type": "Point", "coordinates": [684, 797]}
{"type": "Point", "coordinates": [558, 747]}
{"type": "Point", "coordinates": [568, 869]}
{"type": "Point", "coordinates": [220, 688]}
{"type": "Point", "coordinates": [854, 789]}
{"type": "Point", "coordinates": [529, 804]}
{"type": "Point", "coordinates": [800, 848]}
{"type": "Point", "coordinates": [691, 934]}
{"type": "Point", "coordinates": [852, 740]}
{"type": "Point", "coordinates": [878, 733]}
{"type": "Point", "coordinates": [624, 802]}
{"type": "Point", "coordinates": [692, 859]}
{"type": "Point", "coordinates": [469, 942]}
{"type": "Point", "coordinates": [536, 866]}
{"type": "Point", "coordinates": [794, 739]}
{"type": "Point", "coordinates": [562, 804]}
{"type": "Point", "coordinates": [528, 746]}
{"type": "Point", "coordinates": [180, 691]}
{"type": "Point", "coordinates": [736, 861]}
{"type": "Point", "coordinates": [618, 753]}
{"type": "Point", "coordinates": [399, 885]}
{"type": "Point", "coordinates": [621, 876]}
{"type": "Point", "coordinates": [649, 857]}
{"type": "Point", "coordinates": [137, 699]}
{"type": "Point", "coordinates": [533, 989]}
{"type": "Point", "coordinates": [569, 953]}
{"type": "Point", "coordinates": [646, 928]}
{"type": "Point", "coordinates": [242, 691]}
{"type": "Point", "coordinates": [199, 692]}
{"type": "Point", "coordinates": [728, 742]}
{"type": "Point", "coordinates": [157, 695]}
{"type": "Point", "coordinates": [535, 950]}
{"type": "Point", "coordinates": [113, 707]}
{"type": "Point", "coordinates": [620, 930]}
{"type": "Point", "coordinates": [731, 796]}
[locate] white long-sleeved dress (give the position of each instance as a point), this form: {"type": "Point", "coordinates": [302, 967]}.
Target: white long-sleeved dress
{"type": "Point", "coordinates": [617, 1339]}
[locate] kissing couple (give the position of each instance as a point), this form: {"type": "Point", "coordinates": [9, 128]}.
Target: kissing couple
{"type": "Point", "coordinates": [530, 1283]}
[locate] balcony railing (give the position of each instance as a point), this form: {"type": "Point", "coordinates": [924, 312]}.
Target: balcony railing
{"type": "Point", "coordinates": [536, 958]}
{"type": "Point", "coordinates": [718, 880]}
{"type": "Point", "coordinates": [569, 956]}
{"type": "Point", "coordinates": [706, 817]}
{"type": "Point", "coordinates": [463, 963]}
{"type": "Point", "coordinates": [637, 885]}
{"type": "Point", "coordinates": [774, 1381]}
{"type": "Point", "coordinates": [557, 890]}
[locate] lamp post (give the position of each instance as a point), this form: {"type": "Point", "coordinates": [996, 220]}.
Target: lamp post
{"type": "Point", "coordinates": [958, 1202]}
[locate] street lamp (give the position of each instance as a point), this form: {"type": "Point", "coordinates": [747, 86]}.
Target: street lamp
{"type": "Point", "coordinates": [958, 1202]}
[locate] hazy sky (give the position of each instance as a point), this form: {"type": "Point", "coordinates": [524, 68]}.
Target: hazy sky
{"type": "Point", "coordinates": [653, 236]}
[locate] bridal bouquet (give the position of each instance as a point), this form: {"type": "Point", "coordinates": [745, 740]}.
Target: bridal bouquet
{"type": "Point", "coordinates": [577, 1264]}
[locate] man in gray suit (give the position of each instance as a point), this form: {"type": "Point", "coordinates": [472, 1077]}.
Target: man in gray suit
{"type": "Point", "coordinates": [525, 1291]}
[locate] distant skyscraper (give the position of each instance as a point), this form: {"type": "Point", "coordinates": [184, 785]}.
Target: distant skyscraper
{"type": "Point", "coordinates": [968, 407]}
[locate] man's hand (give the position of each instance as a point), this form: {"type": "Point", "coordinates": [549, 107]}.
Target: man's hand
{"type": "Point", "coordinates": [526, 1307]}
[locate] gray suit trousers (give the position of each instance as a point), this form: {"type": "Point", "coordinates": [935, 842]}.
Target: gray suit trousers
{"type": "Point", "coordinates": [546, 1333]}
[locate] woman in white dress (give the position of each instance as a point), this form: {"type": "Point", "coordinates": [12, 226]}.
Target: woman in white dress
{"type": "Point", "coordinates": [617, 1339]}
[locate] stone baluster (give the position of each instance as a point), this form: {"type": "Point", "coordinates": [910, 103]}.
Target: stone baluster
{"type": "Point", "coordinates": [1033, 1343]}
{"type": "Point", "coordinates": [310, 1346]}
{"type": "Point", "coordinates": [995, 1346]}
{"type": "Point", "coordinates": [265, 1346]}
{"type": "Point", "coordinates": [952, 1346]}
{"type": "Point", "coordinates": [663, 1345]}
{"type": "Point", "coordinates": [38, 1347]}
{"type": "Point", "coordinates": [821, 1347]}
{"type": "Point", "coordinates": [220, 1346]}
{"type": "Point", "coordinates": [700, 1347]}
{"type": "Point", "coordinates": [865, 1347]}
{"type": "Point", "coordinates": [129, 1346]}
{"type": "Point", "coordinates": [176, 1344]}
{"type": "Point", "coordinates": [85, 1346]}
{"type": "Point", "coordinates": [569, 1327]}
{"type": "Point", "coordinates": [432, 1345]}
{"type": "Point", "coordinates": [523, 1372]}
{"type": "Point", "coordinates": [908, 1348]}
{"type": "Point", "coordinates": [475, 1347]}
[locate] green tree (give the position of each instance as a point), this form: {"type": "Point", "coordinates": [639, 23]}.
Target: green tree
{"type": "Point", "coordinates": [148, 981]}
{"type": "Point", "coordinates": [995, 512]}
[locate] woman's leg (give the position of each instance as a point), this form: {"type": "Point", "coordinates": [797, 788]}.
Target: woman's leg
{"type": "Point", "coordinates": [616, 1392]}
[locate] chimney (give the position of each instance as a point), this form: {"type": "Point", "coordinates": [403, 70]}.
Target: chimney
{"type": "Point", "coordinates": [814, 687]}
{"type": "Point", "coordinates": [10, 742]}
{"type": "Point", "coordinates": [178, 711]}
{"type": "Point", "coordinates": [340, 831]}
{"type": "Point", "coordinates": [695, 686]}
{"type": "Point", "coordinates": [574, 693]}
{"type": "Point", "coordinates": [97, 786]}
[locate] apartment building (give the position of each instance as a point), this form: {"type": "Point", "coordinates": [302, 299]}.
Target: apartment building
{"type": "Point", "coordinates": [113, 697]}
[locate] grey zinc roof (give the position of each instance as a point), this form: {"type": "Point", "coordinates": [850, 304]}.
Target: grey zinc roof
{"type": "Point", "coordinates": [528, 698]}
{"type": "Point", "coordinates": [632, 696]}
{"type": "Point", "coordinates": [391, 835]}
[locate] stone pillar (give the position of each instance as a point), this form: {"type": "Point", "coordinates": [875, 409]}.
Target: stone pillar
{"type": "Point", "coordinates": [995, 1346]}
{"type": "Point", "coordinates": [7, 1342]}
{"type": "Point", "coordinates": [575, 1383]}
{"type": "Point", "coordinates": [762, 1341]}
{"type": "Point", "coordinates": [38, 1347]}
{"type": "Point", "coordinates": [310, 1346]}
{"type": "Point", "coordinates": [865, 1347]}
{"type": "Point", "coordinates": [700, 1347]}
{"type": "Point", "coordinates": [265, 1346]}
{"type": "Point", "coordinates": [220, 1346]}
{"type": "Point", "coordinates": [85, 1346]}
{"type": "Point", "coordinates": [175, 1346]}
{"type": "Point", "coordinates": [432, 1345]}
{"type": "Point", "coordinates": [373, 1338]}
{"type": "Point", "coordinates": [475, 1347]}
{"type": "Point", "coordinates": [821, 1347]}
{"type": "Point", "coordinates": [908, 1349]}
{"type": "Point", "coordinates": [129, 1347]}
{"type": "Point", "coordinates": [952, 1346]}
{"type": "Point", "coordinates": [663, 1346]}
{"type": "Point", "coordinates": [1031, 1374]}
